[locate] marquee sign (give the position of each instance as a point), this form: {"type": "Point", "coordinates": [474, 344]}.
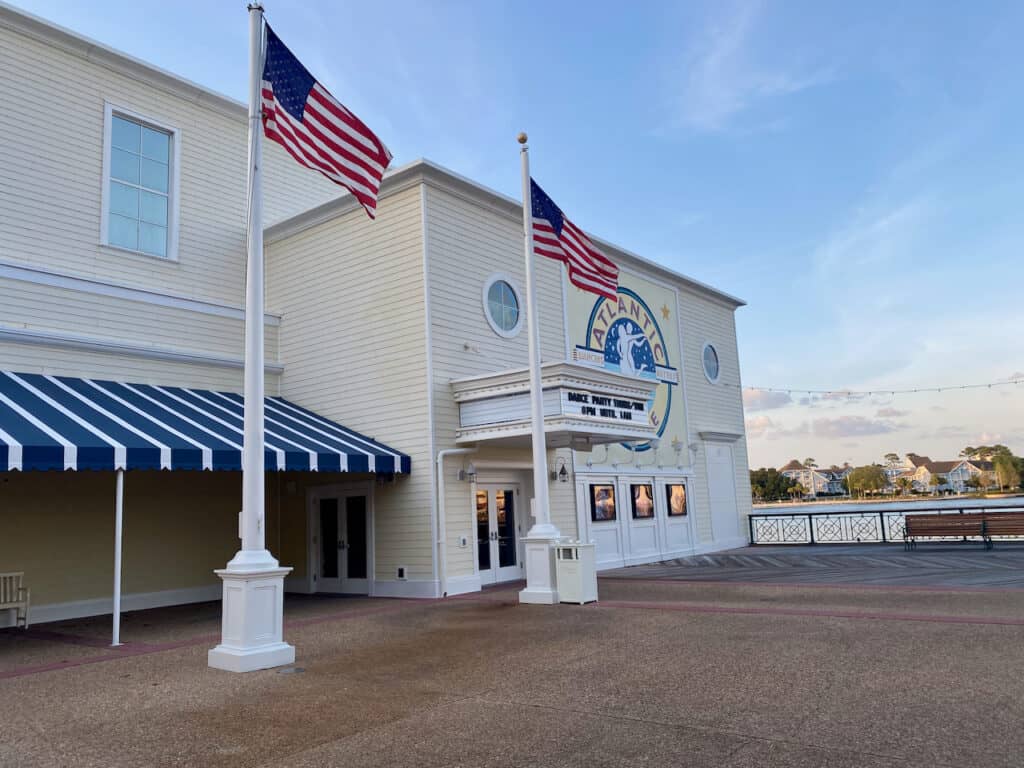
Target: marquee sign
{"type": "Point", "coordinates": [624, 336]}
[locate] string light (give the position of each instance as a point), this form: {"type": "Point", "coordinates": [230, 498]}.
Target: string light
{"type": "Point", "coordinates": [848, 393]}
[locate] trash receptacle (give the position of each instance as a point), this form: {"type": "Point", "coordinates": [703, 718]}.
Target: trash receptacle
{"type": "Point", "coordinates": [576, 572]}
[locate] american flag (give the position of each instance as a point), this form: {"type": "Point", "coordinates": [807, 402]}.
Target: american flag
{"type": "Point", "coordinates": [316, 129]}
{"type": "Point", "coordinates": [558, 238]}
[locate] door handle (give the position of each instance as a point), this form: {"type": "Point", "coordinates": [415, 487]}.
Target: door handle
{"type": "Point", "coordinates": [341, 545]}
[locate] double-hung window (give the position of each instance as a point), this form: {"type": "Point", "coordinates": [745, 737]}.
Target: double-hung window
{"type": "Point", "coordinates": [139, 205]}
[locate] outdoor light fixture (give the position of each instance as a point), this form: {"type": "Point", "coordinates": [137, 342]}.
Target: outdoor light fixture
{"type": "Point", "coordinates": [562, 475]}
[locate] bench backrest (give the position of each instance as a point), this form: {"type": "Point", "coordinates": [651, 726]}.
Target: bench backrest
{"type": "Point", "coordinates": [10, 583]}
{"type": "Point", "coordinates": [960, 525]}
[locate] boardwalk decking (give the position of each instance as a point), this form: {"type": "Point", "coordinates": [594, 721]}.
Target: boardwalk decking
{"type": "Point", "coordinates": [937, 565]}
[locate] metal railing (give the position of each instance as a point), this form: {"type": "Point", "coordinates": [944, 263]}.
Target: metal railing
{"type": "Point", "coordinates": [859, 526]}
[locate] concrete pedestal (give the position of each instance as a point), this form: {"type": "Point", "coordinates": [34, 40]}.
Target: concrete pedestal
{"type": "Point", "coordinates": [541, 584]}
{"type": "Point", "coordinates": [253, 615]}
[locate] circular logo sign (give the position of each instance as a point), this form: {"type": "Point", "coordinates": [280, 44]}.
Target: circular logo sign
{"type": "Point", "coordinates": [628, 339]}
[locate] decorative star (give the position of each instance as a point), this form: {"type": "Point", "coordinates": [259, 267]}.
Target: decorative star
{"type": "Point", "coordinates": [664, 311]}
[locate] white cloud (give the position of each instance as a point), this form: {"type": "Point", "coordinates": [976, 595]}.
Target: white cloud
{"type": "Point", "coordinates": [764, 400]}
{"type": "Point", "coordinates": [720, 80]}
{"type": "Point", "coordinates": [851, 426]}
{"type": "Point", "coordinates": [890, 413]}
{"type": "Point", "coordinates": [757, 426]}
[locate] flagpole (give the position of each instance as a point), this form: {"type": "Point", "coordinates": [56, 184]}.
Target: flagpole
{"type": "Point", "coordinates": [252, 606]}
{"type": "Point", "coordinates": [540, 564]}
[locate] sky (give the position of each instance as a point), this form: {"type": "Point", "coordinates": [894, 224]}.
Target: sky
{"type": "Point", "coordinates": [853, 171]}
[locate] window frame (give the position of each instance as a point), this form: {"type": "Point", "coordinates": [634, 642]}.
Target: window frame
{"type": "Point", "coordinates": [173, 178]}
{"type": "Point", "coordinates": [632, 501]}
{"type": "Point", "coordinates": [708, 345]}
{"type": "Point", "coordinates": [593, 504]}
{"type": "Point", "coordinates": [668, 501]}
{"type": "Point", "coordinates": [507, 279]}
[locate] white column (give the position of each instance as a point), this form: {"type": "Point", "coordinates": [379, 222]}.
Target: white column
{"type": "Point", "coordinates": [118, 529]}
{"type": "Point", "coordinates": [540, 556]}
{"type": "Point", "coordinates": [253, 598]}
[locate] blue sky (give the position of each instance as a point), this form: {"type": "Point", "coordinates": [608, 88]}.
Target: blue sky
{"type": "Point", "coordinates": [852, 170]}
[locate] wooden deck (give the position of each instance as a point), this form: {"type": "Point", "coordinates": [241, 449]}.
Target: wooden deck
{"type": "Point", "coordinates": [932, 565]}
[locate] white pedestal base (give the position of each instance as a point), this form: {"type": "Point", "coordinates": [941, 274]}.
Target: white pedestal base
{"type": "Point", "coordinates": [252, 618]}
{"type": "Point", "coordinates": [541, 587]}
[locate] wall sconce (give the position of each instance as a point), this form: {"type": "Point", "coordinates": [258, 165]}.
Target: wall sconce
{"type": "Point", "coordinates": [468, 475]}
{"type": "Point", "coordinates": [562, 475]}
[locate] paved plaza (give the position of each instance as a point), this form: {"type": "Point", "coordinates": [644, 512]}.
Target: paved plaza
{"type": "Point", "coordinates": [664, 671]}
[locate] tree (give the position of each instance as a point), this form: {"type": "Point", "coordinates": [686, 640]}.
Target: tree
{"type": "Point", "coordinates": [976, 482]}
{"type": "Point", "coordinates": [892, 460]}
{"type": "Point", "coordinates": [935, 481]}
{"type": "Point", "coordinates": [905, 484]}
{"type": "Point", "coordinates": [869, 478]}
{"type": "Point", "coordinates": [767, 484]}
{"type": "Point", "coordinates": [969, 452]}
{"type": "Point", "coordinates": [797, 491]}
{"type": "Point", "coordinates": [810, 463]}
{"type": "Point", "coordinates": [1007, 472]}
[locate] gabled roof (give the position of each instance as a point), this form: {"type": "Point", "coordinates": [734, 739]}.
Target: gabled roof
{"type": "Point", "coordinates": [942, 467]}
{"type": "Point", "coordinates": [918, 461]}
{"type": "Point", "coordinates": [793, 465]}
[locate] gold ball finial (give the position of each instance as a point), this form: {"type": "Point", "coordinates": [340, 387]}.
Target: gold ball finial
{"type": "Point", "coordinates": [521, 138]}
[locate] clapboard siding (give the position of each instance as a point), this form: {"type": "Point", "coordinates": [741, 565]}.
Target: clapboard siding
{"type": "Point", "coordinates": [468, 242]}
{"type": "Point", "coordinates": [711, 407]}
{"type": "Point", "coordinates": [51, 172]}
{"type": "Point", "coordinates": [353, 342]}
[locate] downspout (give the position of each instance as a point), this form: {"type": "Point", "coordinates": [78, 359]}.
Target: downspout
{"type": "Point", "coordinates": [441, 555]}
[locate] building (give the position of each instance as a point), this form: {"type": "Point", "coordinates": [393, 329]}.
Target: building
{"type": "Point", "coordinates": [817, 481]}
{"type": "Point", "coordinates": [955, 475]}
{"type": "Point", "coordinates": [399, 448]}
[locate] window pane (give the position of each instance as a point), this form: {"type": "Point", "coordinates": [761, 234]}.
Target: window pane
{"type": "Point", "coordinates": [494, 294]}
{"type": "Point", "coordinates": [125, 134]}
{"type": "Point", "coordinates": [124, 166]}
{"type": "Point", "coordinates": [508, 296]}
{"type": "Point", "coordinates": [124, 200]}
{"type": "Point", "coordinates": [510, 318]}
{"type": "Point", "coordinates": [154, 208]}
{"type": "Point", "coordinates": [154, 175]}
{"type": "Point", "coordinates": [153, 239]}
{"type": "Point", "coordinates": [155, 144]}
{"type": "Point", "coordinates": [124, 232]}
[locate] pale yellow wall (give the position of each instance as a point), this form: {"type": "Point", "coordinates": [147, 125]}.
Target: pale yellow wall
{"type": "Point", "coordinates": [58, 527]}
{"type": "Point", "coordinates": [353, 341]}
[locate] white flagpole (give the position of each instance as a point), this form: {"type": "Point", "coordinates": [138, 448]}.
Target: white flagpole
{"type": "Point", "coordinates": [540, 567]}
{"type": "Point", "coordinates": [251, 635]}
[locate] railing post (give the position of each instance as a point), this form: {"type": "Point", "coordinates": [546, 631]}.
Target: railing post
{"type": "Point", "coordinates": [881, 525]}
{"type": "Point", "coordinates": [810, 526]}
{"type": "Point", "coordinates": [750, 525]}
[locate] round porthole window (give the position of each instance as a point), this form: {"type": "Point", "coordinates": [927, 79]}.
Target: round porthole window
{"type": "Point", "coordinates": [711, 367]}
{"type": "Point", "coordinates": [502, 306]}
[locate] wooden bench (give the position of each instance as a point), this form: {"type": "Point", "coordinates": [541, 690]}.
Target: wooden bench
{"type": "Point", "coordinates": [15, 596]}
{"type": "Point", "coordinates": [929, 526]}
{"type": "Point", "coordinates": [1004, 524]}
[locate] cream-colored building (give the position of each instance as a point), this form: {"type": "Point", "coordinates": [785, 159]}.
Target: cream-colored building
{"type": "Point", "coordinates": [122, 253]}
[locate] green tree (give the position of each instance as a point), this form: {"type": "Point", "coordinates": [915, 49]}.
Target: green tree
{"type": "Point", "coordinates": [797, 491]}
{"type": "Point", "coordinates": [905, 484]}
{"type": "Point", "coordinates": [1007, 471]}
{"type": "Point", "coordinates": [892, 460]}
{"type": "Point", "coordinates": [869, 478]}
{"type": "Point", "coordinates": [935, 481]}
{"type": "Point", "coordinates": [768, 484]}
{"type": "Point", "coordinates": [810, 463]}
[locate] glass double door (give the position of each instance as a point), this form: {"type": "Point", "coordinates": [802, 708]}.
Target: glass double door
{"type": "Point", "coordinates": [344, 544]}
{"type": "Point", "coordinates": [497, 540]}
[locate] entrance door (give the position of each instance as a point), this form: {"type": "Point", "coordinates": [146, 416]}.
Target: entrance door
{"type": "Point", "coordinates": [344, 544]}
{"type": "Point", "coordinates": [497, 543]}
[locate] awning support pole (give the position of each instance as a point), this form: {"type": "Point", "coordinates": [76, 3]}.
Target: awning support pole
{"type": "Point", "coordinates": [118, 530]}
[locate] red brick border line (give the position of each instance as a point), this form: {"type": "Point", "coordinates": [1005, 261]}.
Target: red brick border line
{"type": "Point", "coordinates": [813, 612]}
{"type": "Point", "coordinates": [803, 585]}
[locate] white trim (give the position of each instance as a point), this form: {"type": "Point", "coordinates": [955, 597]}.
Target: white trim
{"type": "Point", "coordinates": [461, 585]}
{"type": "Point", "coordinates": [438, 537]}
{"type": "Point", "coordinates": [107, 346]}
{"type": "Point", "coordinates": [405, 588]}
{"type": "Point", "coordinates": [703, 366]}
{"type": "Point", "coordinates": [173, 181]}
{"type": "Point", "coordinates": [137, 601]}
{"type": "Point", "coordinates": [40, 276]}
{"type": "Point", "coordinates": [502, 277]}
{"type": "Point", "coordinates": [721, 437]}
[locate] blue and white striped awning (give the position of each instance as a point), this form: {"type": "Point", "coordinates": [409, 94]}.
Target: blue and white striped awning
{"type": "Point", "coordinates": [58, 422]}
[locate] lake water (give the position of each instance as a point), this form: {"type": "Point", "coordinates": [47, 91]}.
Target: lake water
{"type": "Point", "coordinates": [923, 505]}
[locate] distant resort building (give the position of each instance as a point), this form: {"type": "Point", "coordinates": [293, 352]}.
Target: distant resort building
{"type": "Point", "coordinates": [816, 480]}
{"type": "Point", "coordinates": [955, 475]}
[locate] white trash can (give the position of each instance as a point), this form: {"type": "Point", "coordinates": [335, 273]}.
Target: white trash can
{"type": "Point", "coordinates": [576, 572]}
